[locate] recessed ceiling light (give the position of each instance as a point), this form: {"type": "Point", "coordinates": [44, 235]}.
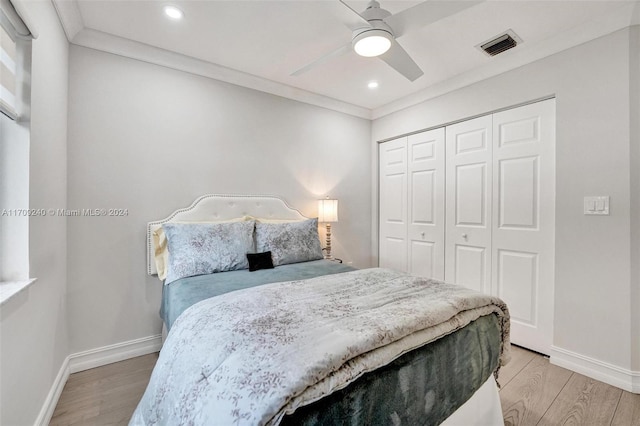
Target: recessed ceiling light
{"type": "Point", "coordinates": [173, 12]}
{"type": "Point", "coordinates": [372, 85]}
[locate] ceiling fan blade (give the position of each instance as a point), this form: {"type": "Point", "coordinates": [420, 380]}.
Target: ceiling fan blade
{"type": "Point", "coordinates": [398, 59]}
{"type": "Point", "coordinates": [333, 54]}
{"type": "Point", "coordinates": [354, 20]}
{"type": "Point", "coordinates": [426, 13]}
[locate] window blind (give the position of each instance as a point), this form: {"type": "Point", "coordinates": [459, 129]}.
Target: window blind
{"type": "Point", "coordinates": [14, 33]}
{"type": "Point", "coordinates": [14, 19]}
{"type": "Point", "coordinates": [7, 74]}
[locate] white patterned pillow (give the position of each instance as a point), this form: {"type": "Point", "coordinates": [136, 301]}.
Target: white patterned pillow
{"type": "Point", "coordinates": [291, 242]}
{"type": "Point", "coordinates": [205, 248]}
{"type": "Point", "coordinates": [161, 252]}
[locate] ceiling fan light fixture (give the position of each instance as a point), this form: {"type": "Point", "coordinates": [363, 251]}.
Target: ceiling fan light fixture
{"type": "Point", "coordinates": [173, 12]}
{"type": "Point", "coordinates": [373, 42]}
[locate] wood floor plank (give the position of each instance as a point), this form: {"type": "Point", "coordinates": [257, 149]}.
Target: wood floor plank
{"type": "Point", "coordinates": [76, 395]}
{"type": "Point", "coordinates": [526, 398]}
{"type": "Point", "coordinates": [519, 358]}
{"type": "Point", "coordinates": [628, 411]}
{"type": "Point", "coordinates": [106, 395]}
{"type": "Point", "coordinates": [584, 402]}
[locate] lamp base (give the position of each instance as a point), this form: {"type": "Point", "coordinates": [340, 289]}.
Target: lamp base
{"type": "Point", "coordinates": [327, 250]}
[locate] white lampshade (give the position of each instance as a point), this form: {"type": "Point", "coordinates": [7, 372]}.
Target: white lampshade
{"type": "Point", "coordinates": [327, 210]}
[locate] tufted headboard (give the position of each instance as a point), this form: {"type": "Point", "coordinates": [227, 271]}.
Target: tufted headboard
{"type": "Point", "coordinates": [214, 207]}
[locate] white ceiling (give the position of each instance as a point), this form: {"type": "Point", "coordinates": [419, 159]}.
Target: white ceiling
{"type": "Point", "coordinates": [271, 39]}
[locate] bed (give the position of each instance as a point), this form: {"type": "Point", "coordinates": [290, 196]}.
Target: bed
{"type": "Point", "coordinates": [318, 343]}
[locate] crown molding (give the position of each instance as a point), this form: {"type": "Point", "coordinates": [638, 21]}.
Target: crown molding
{"type": "Point", "coordinates": [143, 52]}
{"type": "Point", "coordinates": [619, 19]}
{"type": "Point", "coordinates": [77, 33]}
{"type": "Point", "coordinates": [70, 17]}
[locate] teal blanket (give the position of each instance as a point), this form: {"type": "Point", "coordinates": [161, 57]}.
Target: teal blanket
{"type": "Point", "coordinates": [181, 294]}
{"type": "Point", "coordinates": [422, 387]}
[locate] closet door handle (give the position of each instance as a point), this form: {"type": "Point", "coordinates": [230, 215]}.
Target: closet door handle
{"type": "Point", "coordinates": [465, 237]}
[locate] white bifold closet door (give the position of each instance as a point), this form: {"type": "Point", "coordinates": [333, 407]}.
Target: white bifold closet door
{"type": "Point", "coordinates": [412, 204]}
{"type": "Point", "coordinates": [392, 245]}
{"type": "Point", "coordinates": [524, 220]}
{"type": "Point", "coordinates": [468, 207]}
{"type": "Point", "coordinates": [500, 203]}
{"type": "Point", "coordinates": [490, 224]}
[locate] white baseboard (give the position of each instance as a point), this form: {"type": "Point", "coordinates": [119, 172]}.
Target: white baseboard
{"type": "Point", "coordinates": [91, 359]}
{"type": "Point", "coordinates": [113, 353]}
{"type": "Point", "coordinates": [49, 406]}
{"type": "Point", "coordinates": [599, 370]}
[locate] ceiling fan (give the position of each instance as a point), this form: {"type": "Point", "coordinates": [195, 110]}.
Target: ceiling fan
{"type": "Point", "coordinates": [374, 33]}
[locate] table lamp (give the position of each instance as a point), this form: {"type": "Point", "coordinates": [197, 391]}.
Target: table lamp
{"type": "Point", "coordinates": [327, 213]}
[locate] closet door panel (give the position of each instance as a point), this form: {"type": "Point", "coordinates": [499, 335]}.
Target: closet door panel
{"type": "Point", "coordinates": [471, 195]}
{"type": "Point", "coordinates": [523, 220]}
{"type": "Point", "coordinates": [426, 203]}
{"type": "Point", "coordinates": [423, 259]}
{"type": "Point", "coordinates": [393, 249]}
{"type": "Point", "coordinates": [518, 190]}
{"type": "Point", "coordinates": [468, 203]}
{"type": "Point", "coordinates": [470, 266]}
{"type": "Point", "coordinates": [517, 281]}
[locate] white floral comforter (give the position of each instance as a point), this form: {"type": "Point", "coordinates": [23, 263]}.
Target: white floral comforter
{"type": "Point", "coordinates": [251, 356]}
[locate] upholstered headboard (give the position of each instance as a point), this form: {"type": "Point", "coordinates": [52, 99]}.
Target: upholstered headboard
{"type": "Point", "coordinates": [214, 207]}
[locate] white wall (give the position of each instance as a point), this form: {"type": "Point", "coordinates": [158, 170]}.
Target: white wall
{"type": "Point", "coordinates": [591, 83]}
{"type": "Point", "coordinates": [634, 72]}
{"type": "Point", "coordinates": [33, 327]}
{"type": "Point", "coordinates": [152, 139]}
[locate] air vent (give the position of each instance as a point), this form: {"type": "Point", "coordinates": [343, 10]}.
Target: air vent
{"type": "Point", "coordinates": [499, 44]}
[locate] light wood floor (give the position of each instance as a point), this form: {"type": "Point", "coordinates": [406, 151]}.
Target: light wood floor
{"type": "Point", "coordinates": [534, 392]}
{"type": "Point", "coordinates": [105, 395]}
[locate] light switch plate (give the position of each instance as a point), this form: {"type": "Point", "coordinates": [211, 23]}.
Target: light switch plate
{"type": "Point", "coordinates": [596, 205]}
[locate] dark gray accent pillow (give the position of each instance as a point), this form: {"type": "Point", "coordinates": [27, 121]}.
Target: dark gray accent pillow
{"type": "Point", "coordinates": [260, 261]}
